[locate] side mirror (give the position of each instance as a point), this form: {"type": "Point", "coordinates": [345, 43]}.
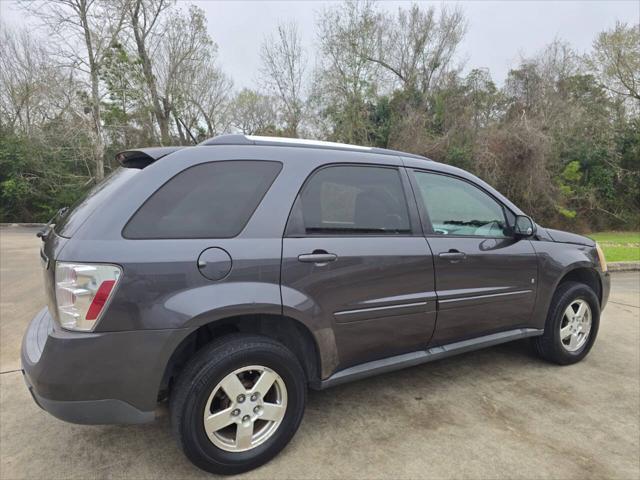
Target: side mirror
{"type": "Point", "coordinates": [524, 226]}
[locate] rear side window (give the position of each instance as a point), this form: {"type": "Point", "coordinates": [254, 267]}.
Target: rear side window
{"type": "Point", "coordinates": [69, 221]}
{"type": "Point", "coordinates": [210, 200]}
{"type": "Point", "coordinates": [351, 200]}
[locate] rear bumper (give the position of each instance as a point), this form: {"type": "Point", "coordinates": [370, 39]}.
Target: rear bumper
{"type": "Point", "coordinates": [90, 412]}
{"type": "Point", "coordinates": [95, 378]}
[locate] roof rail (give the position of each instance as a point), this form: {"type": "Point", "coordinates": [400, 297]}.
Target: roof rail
{"type": "Point", "coordinates": [239, 139]}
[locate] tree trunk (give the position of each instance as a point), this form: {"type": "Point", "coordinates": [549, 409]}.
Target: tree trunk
{"type": "Point", "coordinates": [206, 118]}
{"type": "Point", "coordinates": [209, 125]}
{"type": "Point", "coordinates": [98, 149]}
{"type": "Point", "coordinates": [163, 120]}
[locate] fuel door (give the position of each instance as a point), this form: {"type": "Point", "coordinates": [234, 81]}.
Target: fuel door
{"type": "Point", "coordinates": [214, 263]}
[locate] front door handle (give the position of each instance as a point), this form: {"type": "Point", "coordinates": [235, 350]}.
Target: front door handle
{"type": "Point", "coordinates": [318, 256]}
{"type": "Point", "coordinates": [453, 255]}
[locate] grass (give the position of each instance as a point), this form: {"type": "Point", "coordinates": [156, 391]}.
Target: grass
{"type": "Point", "coordinates": [619, 246]}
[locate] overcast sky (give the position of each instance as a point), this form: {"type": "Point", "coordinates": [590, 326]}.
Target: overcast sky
{"type": "Point", "coordinates": [499, 32]}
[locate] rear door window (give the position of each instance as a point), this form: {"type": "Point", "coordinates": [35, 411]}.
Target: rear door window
{"type": "Point", "coordinates": [210, 200]}
{"type": "Point", "coordinates": [351, 200]}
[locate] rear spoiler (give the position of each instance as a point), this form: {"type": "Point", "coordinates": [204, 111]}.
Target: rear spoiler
{"type": "Point", "coordinates": [142, 157]}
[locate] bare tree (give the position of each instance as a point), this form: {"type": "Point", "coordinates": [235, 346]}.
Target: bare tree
{"type": "Point", "coordinates": [26, 75]}
{"type": "Point", "coordinates": [616, 60]}
{"type": "Point", "coordinates": [417, 46]}
{"type": "Point", "coordinates": [346, 79]}
{"type": "Point", "coordinates": [81, 31]}
{"type": "Point", "coordinates": [174, 50]}
{"type": "Point", "coordinates": [535, 88]}
{"type": "Point", "coordinates": [210, 94]}
{"type": "Point", "coordinates": [253, 113]}
{"type": "Point", "coordinates": [184, 52]}
{"type": "Point", "coordinates": [282, 70]}
{"type": "Point", "coordinates": [145, 20]}
{"type": "Point", "coordinates": [36, 92]}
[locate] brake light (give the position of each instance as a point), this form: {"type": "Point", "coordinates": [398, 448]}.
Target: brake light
{"type": "Point", "coordinates": [102, 295]}
{"type": "Point", "coordinates": [82, 291]}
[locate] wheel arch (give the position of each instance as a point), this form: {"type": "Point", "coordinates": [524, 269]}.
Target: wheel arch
{"type": "Point", "coordinates": [292, 333]}
{"type": "Point", "coordinates": [583, 274]}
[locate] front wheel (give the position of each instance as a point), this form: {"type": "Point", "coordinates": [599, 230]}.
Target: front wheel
{"type": "Point", "coordinates": [238, 403]}
{"type": "Point", "coordinates": [572, 324]}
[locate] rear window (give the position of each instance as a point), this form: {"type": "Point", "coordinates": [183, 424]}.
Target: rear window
{"type": "Point", "coordinates": [210, 200]}
{"type": "Point", "coordinates": [67, 224]}
{"type": "Point", "coordinates": [351, 200]}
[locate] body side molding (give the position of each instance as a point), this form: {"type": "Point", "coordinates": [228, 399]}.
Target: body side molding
{"type": "Point", "coordinates": [378, 309]}
{"type": "Point", "coordinates": [411, 359]}
{"type": "Point", "coordinates": [490, 295]}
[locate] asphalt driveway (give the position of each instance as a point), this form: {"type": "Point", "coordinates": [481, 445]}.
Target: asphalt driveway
{"type": "Point", "coordinates": [496, 413]}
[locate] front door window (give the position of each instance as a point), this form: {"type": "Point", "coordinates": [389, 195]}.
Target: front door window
{"type": "Point", "coordinates": [456, 207]}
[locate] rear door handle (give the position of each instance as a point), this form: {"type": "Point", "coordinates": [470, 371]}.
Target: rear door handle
{"type": "Point", "coordinates": [453, 255]}
{"type": "Point", "coordinates": [318, 256]}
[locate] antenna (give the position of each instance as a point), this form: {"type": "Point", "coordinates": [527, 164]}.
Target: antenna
{"type": "Point", "coordinates": [195, 142]}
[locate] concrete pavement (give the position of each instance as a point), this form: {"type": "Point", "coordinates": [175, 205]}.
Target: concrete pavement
{"type": "Point", "coordinates": [496, 413]}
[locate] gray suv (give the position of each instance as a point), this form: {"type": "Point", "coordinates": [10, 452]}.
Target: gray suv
{"type": "Point", "coordinates": [228, 277]}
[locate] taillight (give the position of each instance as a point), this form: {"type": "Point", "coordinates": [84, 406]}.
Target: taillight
{"type": "Point", "coordinates": [82, 291]}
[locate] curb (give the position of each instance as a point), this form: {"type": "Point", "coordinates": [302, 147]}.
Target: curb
{"type": "Point", "coordinates": [623, 266]}
{"type": "Point", "coordinates": [22, 224]}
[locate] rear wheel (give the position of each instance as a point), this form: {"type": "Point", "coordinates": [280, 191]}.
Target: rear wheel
{"type": "Point", "coordinates": [238, 403]}
{"type": "Point", "coordinates": [572, 324]}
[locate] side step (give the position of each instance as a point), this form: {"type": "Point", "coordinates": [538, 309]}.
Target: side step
{"type": "Point", "coordinates": [405, 360]}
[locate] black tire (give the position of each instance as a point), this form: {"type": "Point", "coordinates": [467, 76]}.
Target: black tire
{"type": "Point", "coordinates": [198, 379]}
{"type": "Point", "coordinates": [549, 345]}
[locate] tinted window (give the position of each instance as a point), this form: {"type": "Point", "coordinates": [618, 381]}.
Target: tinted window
{"type": "Point", "coordinates": [211, 200]}
{"type": "Point", "coordinates": [353, 200]}
{"type": "Point", "coordinates": [456, 207]}
{"type": "Point", "coordinates": [68, 222]}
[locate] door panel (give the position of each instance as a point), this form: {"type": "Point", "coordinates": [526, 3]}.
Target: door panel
{"type": "Point", "coordinates": [485, 278]}
{"type": "Point", "coordinates": [355, 266]}
{"type": "Point", "coordinates": [493, 288]}
{"type": "Point", "coordinates": [377, 295]}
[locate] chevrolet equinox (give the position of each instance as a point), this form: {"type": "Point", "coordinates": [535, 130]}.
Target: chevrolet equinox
{"type": "Point", "coordinates": [230, 276]}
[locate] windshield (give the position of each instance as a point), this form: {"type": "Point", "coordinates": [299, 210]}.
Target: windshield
{"type": "Point", "coordinates": [69, 220]}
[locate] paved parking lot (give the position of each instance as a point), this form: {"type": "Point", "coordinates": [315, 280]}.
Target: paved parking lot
{"type": "Point", "coordinates": [496, 413]}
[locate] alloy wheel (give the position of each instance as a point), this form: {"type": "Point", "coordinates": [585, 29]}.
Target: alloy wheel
{"type": "Point", "coordinates": [575, 325]}
{"type": "Point", "coordinates": [245, 408]}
